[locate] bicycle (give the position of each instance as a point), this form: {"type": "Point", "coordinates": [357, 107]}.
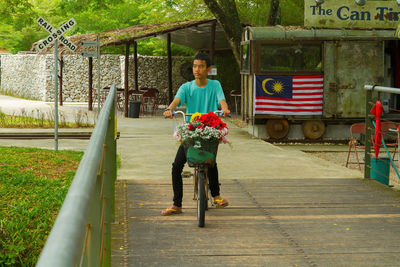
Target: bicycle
{"type": "Point", "coordinates": [200, 177]}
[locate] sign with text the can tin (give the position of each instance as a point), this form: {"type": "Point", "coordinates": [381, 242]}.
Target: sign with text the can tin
{"type": "Point", "coordinates": [347, 14]}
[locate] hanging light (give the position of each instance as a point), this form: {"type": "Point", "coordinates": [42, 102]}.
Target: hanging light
{"type": "Point", "coordinates": [320, 2]}
{"type": "Point", "coordinates": [360, 2]}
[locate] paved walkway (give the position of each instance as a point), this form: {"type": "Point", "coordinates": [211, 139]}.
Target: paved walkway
{"type": "Point", "coordinates": [288, 208]}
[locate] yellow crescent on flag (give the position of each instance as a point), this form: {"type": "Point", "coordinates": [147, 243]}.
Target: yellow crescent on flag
{"type": "Point", "coordinates": [263, 85]}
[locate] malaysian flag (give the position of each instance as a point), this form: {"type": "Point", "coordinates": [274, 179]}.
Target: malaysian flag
{"type": "Point", "coordinates": [289, 95]}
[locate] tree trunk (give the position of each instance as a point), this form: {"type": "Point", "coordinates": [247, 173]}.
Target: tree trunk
{"type": "Point", "coordinates": [227, 16]}
{"type": "Point", "coordinates": [274, 17]}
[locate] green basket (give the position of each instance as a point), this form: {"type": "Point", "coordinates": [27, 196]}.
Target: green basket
{"type": "Point", "coordinates": [201, 152]}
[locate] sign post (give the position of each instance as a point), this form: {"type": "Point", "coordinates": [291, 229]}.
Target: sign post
{"type": "Point", "coordinates": [96, 55]}
{"type": "Point", "coordinates": [55, 36]}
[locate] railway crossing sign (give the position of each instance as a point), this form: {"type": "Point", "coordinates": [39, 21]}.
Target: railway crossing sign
{"type": "Point", "coordinates": [56, 34]}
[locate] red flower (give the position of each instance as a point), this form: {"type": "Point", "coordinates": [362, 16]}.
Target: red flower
{"type": "Point", "coordinates": [212, 120]}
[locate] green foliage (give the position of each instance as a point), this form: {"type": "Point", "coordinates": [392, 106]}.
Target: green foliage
{"type": "Point", "coordinates": [18, 27]}
{"type": "Point", "coordinates": [33, 185]}
{"type": "Point", "coordinates": [256, 12]}
{"type": "Point", "coordinates": [292, 12]}
{"type": "Point", "coordinates": [253, 12]}
{"type": "Point", "coordinates": [154, 46]}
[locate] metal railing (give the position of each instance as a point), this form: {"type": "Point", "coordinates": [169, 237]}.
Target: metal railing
{"type": "Point", "coordinates": [81, 235]}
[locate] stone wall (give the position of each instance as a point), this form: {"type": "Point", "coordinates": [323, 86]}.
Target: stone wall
{"type": "Point", "coordinates": [31, 76]}
{"type": "Point", "coordinates": [76, 76]}
{"type": "Point", "coordinates": [25, 75]}
{"type": "Point", "coordinates": [153, 73]}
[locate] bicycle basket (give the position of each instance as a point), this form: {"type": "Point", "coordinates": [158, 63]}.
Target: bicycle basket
{"type": "Point", "coordinates": [201, 151]}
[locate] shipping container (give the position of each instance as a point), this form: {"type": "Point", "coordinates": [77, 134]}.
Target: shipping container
{"type": "Point", "coordinates": [308, 83]}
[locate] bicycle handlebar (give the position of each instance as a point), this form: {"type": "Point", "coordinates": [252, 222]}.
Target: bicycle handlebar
{"type": "Point", "coordinates": [217, 112]}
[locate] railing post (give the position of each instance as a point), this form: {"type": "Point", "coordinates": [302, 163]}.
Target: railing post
{"type": "Point", "coordinates": [367, 157]}
{"type": "Point", "coordinates": [110, 163]}
{"type": "Point", "coordinates": [93, 246]}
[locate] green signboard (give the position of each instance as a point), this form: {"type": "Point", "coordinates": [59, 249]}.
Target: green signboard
{"type": "Point", "coordinates": [347, 14]}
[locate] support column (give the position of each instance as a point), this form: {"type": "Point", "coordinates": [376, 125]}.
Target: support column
{"type": "Point", "coordinates": [212, 41]}
{"type": "Point", "coordinates": [126, 80]}
{"type": "Point", "coordinates": [90, 107]}
{"type": "Point", "coordinates": [170, 95]}
{"type": "Point", "coordinates": [135, 58]}
{"type": "Point", "coordinates": [60, 79]}
{"type": "Point", "coordinates": [368, 128]}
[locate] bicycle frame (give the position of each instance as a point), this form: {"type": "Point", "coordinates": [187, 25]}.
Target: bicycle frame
{"type": "Point", "coordinates": [195, 181]}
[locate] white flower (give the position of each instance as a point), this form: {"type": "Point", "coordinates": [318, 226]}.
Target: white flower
{"type": "Point", "coordinates": [193, 132]}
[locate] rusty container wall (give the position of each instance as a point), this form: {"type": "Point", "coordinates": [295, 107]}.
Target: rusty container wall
{"type": "Point", "coordinates": [348, 66]}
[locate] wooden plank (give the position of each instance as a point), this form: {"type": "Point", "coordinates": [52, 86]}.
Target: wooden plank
{"type": "Point", "coordinates": [270, 222]}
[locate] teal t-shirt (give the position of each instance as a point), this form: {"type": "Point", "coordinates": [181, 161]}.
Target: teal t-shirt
{"type": "Point", "coordinates": [199, 99]}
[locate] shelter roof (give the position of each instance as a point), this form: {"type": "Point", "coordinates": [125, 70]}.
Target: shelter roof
{"type": "Point", "coordinates": [195, 34]}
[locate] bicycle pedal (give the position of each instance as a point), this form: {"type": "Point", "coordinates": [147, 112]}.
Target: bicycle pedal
{"type": "Point", "coordinates": [187, 174]}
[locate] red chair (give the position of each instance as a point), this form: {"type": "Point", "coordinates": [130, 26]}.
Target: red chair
{"type": "Point", "coordinates": [359, 128]}
{"type": "Point", "coordinates": [355, 129]}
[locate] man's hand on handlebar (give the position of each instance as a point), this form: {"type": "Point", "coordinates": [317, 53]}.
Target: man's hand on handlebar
{"type": "Point", "coordinates": [226, 113]}
{"type": "Point", "coordinates": [168, 113]}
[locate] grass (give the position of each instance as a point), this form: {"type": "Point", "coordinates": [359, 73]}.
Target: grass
{"type": "Point", "coordinates": [33, 185]}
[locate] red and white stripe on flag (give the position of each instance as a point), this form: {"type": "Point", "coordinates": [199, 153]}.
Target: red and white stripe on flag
{"type": "Point", "coordinates": [307, 98]}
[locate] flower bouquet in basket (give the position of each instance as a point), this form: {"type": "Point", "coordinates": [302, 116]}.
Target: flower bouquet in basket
{"type": "Point", "coordinates": [201, 137]}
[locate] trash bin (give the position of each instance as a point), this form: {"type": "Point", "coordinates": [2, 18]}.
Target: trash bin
{"type": "Point", "coordinates": [134, 109]}
{"type": "Point", "coordinates": [380, 169]}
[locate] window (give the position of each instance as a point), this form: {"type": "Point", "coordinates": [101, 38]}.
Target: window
{"type": "Point", "coordinates": [291, 57]}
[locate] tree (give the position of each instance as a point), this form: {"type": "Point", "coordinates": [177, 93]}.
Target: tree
{"type": "Point", "coordinates": [274, 16]}
{"type": "Point", "coordinates": [15, 20]}
{"type": "Point", "coordinates": [225, 12]}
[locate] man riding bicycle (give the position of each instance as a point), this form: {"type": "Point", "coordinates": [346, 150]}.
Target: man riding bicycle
{"type": "Point", "coordinates": [200, 95]}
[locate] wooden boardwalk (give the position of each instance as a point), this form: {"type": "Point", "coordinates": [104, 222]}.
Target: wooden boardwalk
{"type": "Point", "coordinates": [270, 222]}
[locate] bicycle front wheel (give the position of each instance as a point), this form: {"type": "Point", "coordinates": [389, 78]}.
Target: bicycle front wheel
{"type": "Point", "coordinates": [201, 199]}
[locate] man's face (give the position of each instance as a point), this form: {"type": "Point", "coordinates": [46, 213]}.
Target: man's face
{"type": "Point", "coordinates": [200, 69]}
